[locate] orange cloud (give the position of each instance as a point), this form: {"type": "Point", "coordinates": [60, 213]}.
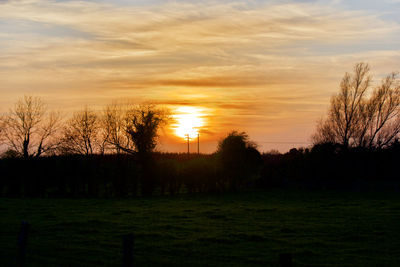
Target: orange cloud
{"type": "Point", "coordinates": [267, 67]}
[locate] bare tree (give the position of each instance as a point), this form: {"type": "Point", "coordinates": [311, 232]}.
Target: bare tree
{"type": "Point", "coordinates": [345, 106]}
{"type": "Point", "coordinates": [2, 126]}
{"type": "Point", "coordinates": [356, 119]}
{"type": "Point", "coordinates": [324, 132]}
{"type": "Point", "coordinates": [382, 123]}
{"type": "Point", "coordinates": [132, 128]}
{"type": "Point", "coordinates": [113, 128]}
{"type": "Point", "coordinates": [129, 129]}
{"type": "Point", "coordinates": [81, 133]}
{"type": "Point", "coordinates": [29, 129]}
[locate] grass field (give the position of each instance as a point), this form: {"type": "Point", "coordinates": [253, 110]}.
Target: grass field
{"type": "Point", "coordinates": [243, 229]}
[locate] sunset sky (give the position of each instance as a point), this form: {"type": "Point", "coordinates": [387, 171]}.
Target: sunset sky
{"type": "Point", "coordinates": [264, 67]}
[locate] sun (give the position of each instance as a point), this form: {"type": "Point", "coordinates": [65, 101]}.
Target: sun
{"type": "Point", "coordinates": [188, 120]}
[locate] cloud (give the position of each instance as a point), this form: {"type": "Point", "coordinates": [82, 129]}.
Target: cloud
{"type": "Point", "coordinates": [251, 62]}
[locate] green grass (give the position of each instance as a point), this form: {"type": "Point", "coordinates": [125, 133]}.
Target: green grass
{"type": "Point", "coordinates": [244, 229]}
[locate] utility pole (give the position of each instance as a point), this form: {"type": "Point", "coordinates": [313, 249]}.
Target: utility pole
{"type": "Point", "coordinates": [198, 143]}
{"type": "Point", "coordinates": [188, 143]}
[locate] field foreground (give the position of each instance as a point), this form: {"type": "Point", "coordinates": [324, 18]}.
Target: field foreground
{"type": "Point", "coordinates": [243, 229]}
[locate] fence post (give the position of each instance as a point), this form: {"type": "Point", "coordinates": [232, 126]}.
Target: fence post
{"type": "Point", "coordinates": [285, 260]}
{"type": "Point", "coordinates": [128, 241]}
{"type": "Point", "coordinates": [22, 242]}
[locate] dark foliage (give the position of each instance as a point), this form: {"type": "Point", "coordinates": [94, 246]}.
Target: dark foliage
{"type": "Point", "coordinates": [331, 166]}
{"type": "Point", "coordinates": [70, 176]}
{"type": "Point", "coordinates": [239, 160]}
{"type": "Point", "coordinates": [119, 175]}
{"type": "Point", "coordinates": [324, 166]}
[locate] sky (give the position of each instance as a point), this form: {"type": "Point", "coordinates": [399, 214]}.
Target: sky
{"type": "Point", "coordinates": [265, 67]}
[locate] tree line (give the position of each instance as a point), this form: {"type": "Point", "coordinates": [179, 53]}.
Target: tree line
{"type": "Point", "coordinates": [112, 153]}
{"type": "Point", "coordinates": [231, 169]}
{"type": "Point", "coordinates": [235, 166]}
{"type": "Point", "coordinates": [29, 130]}
{"type": "Point", "coordinates": [360, 115]}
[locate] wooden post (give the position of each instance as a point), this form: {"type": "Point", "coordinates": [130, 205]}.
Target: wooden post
{"type": "Point", "coordinates": [198, 144]}
{"type": "Point", "coordinates": [285, 260]}
{"type": "Point", "coordinates": [22, 242]}
{"type": "Point", "coordinates": [188, 144]}
{"type": "Point", "coordinates": [128, 241]}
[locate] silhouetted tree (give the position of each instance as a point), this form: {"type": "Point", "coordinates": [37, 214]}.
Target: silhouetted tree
{"type": "Point", "coordinates": [113, 128]}
{"type": "Point", "coordinates": [359, 119]}
{"type": "Point", "coordinates": [239, 158]}
{"type": "Point", "coordinates": [29, 129]}
{"type": "Point", "coordinates": [2, 125]}
{"type": "Point", "coordinates": [141, 125]}
{"type": "Point", "coordinates": [10, 153]}
{"type": "Point", "coordinates": [81, 133]}
{"type": "Point", "coordinates": [380, 121]}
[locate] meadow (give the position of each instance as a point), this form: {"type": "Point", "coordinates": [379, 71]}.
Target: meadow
{"type": "Point", "coordinates": [234, 229]}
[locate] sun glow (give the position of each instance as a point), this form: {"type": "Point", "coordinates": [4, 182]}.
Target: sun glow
{"type": "Point", "coordinates": [189, 120]}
